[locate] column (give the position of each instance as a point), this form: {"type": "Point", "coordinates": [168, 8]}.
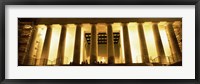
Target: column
{"type": "Point", "coordinates": [77, 45]}
{"type": "Point", "coordinates": [143, 45]}
{"type": "Point", "coordinates": [46, 47]}
{"type": "Point", "coordinates": [159, 46]}
{"type": "Point", "coordinates": [93, 45]}
{"type": "Point", "coordinates": [127, 49]}
{"type": "Point", "coordinates": [110, 44]}
{"type": "Point", "coordinates": [61, 47]}
{"type": "Point", "coordinates": [176, 52]}
{"type": "Point", "coordinates": [29, 57]}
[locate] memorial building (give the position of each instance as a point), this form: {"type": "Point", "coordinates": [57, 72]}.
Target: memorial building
{"type": "Point", "coordinates": [99, 41]}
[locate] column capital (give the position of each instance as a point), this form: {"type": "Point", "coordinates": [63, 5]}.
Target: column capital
{"type": "Point", "coordinates": [76, 24]}
{"type": "Point", "coordinates": [155, 23]}
{"type": "Point", "coordinates": [140, 23]}
{"type": "Point", "coordinates": [124, 24]}
{"type": "Point", "coordinates": [63, 25]}
{"type": "Point", "coordinates": [109, 25]}
{"type": "Point", "coordinates": [49, 26]}
{"type": "Point", "coordinates": [170, 23]}
{"type": "Point", "coordinates": [79, 25]}
{"type": "Point", "coordinates": [93, 24]}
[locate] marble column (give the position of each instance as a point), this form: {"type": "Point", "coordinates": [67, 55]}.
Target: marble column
{"type": "Point", "coordinates": [110, 44]}
{"type": "Point", "coordinates": [176, 52]}
{"type": "Point", "coordinates": [143, 45]}
{"type": "Point", "coordinates": [46, 47]}
{"type": "Point", "coordinates": [127, 49]}
{"type": "Point", "coordinates": [159, 46]}
{"type": "Point", "coordinates": [61, 47]}
{"type": "Point", "coordinates": [28, 60]}
{"type": "Point", "coordinates": [77, 45]}
{"type": "Point", "coordinates": [93, 45]}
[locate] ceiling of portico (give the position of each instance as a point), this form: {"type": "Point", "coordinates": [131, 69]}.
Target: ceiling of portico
{"type": "Point", "coordinates": [101, 27]}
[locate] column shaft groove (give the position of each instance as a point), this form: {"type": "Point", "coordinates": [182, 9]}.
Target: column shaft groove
{"type": "Point", "coordinates": [61, 47]}
{"type": "Point", "coordinates": [127, 49]}
{"type": "Point", "coordinates": [77, 45]}
{"type": "Point", "coordinates": [159, 45]}
{"type": "Point", "coordinates": [143, 45]}
{"type": "Point", "coordinates": [46, 47]}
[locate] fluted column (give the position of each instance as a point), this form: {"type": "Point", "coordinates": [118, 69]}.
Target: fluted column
{"type": "Point", "coordinates": [61, 47]}
{"type": "Point", "coordinates": [110, 44]}
{"type": "Point", "coordinates": [77, 45]}
{"type": "Point", "coordinates": [159, 45]}
{"type": "Point", "coordinates": [176, 52]}
{"type": "Point", "coordinates": [46, 47]}
{"type": "Point", "coordinates": [93, 45]}
{"type": "Point", "coordinates": [127, 49]}
{"type": "Point", "coordinates": [29, 57]}
{"type": "Point", "coordinates": [143, 45]}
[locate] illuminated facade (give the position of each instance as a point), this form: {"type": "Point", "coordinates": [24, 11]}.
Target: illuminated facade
{"type": "Point", "coordinates": [100, 41]}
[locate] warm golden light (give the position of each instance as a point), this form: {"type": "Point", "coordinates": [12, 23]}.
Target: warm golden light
{"type": "Point", "coordinates": [164, 40]}
{"type": "Point", "coordinates": [82, 46]}
{"type": "Point", "coordinates": [134, 43]}
{"type": "Point", "coordinates": [122, 45]}
{"type": "Point", "coordinates": [102, 59]}
{"type": "Point", "coordinates": [70, 40]}
{"type": "Point", "coordinates": [100, 41]}
{"type": "Point", "coordinates": [40, 40]}
{"type": "Point", "coordinates": [149, 36]}
{"type": "Point", "coordinates": [55, 38]}
{"type": "Point", "coordinates": [119, 57]}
